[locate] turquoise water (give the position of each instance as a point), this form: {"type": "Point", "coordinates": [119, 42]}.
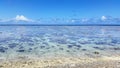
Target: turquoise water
{"type": "Point", "coordinates": [51, 41]}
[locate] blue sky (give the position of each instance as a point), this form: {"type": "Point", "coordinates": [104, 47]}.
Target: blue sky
{"type": "Point", "coordinates": [36, 9]}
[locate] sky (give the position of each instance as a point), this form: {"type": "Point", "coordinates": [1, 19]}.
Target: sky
{"type": "Point", "coordinates": [36, 9]}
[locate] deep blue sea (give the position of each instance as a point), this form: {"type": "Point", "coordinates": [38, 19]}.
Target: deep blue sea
{"type": "Point", "coordinates": [48, 41]}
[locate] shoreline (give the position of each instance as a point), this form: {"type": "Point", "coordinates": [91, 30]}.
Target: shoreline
{"type": "Point", "coordinates": [64, 62]}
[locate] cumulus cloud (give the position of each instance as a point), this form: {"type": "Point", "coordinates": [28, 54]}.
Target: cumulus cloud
{"type": "Point", "coordinates": [17, 19]}
{"type": "Point", "coordinates": [22, 18]}
{"type": "Point", "coordinates": [103, 18]}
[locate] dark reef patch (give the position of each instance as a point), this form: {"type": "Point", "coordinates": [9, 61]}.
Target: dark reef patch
{"type": "Point", "coordinates": [59, 41]}
{"type": "Point", "coordinates": [36, 48]}
{"type": "Point", "coordinates": [111, 44]}
{"type": "Point", "coordinates": [96, 52]}
{"type": "Point", "coordinates": [58, 45]}
{"type": "Point", "coordinates": [61, 48]}
{"type": "Point", "coordinates": [70, 46]}
{"type": "Point", "coordinates": [78, 46]}
{"type": "Point", "coordinates": [31, 44]}
{"type": "Point", "coordinates": [67, 50]}
{"type": "Point", "coordinates": [42, 47]}
{"type": "Point", "coordinates": [45, 43]}
{"type": "Point", "coordinates": [20, 50]}
{"type": "Point", "coordinates": [52, 46]}
{"type": "Point", "coordinates": [84, 49]}
{"type": "Point", "coordinates": [100, 43]}
{"type": "Point", "coordinates": [12, 45]}
{"type": "Point", "coordinates": [73, 38]}
{"type": "Point", "coordinates": [3, 40]}
{"type": "Point", "coordinates": [74, 51]}
{"type": "Point", "coordinates": [72, 43]}
{"type": "Point", "coordinates": [30, 49]}
{"type": "Point", "coordinates": [3, 49]}
{"type": "Point", "coordinates": [84, 42]}
{"type": "Point", "coordinates": [21, 47]}
{"type": "Point", "coordinates": [48, 48]}
{"type": "Point", "coordinates": [58, 34]}
{"type": "Point", "coordinates": [99, 48]}
{"type": "Point", "coordinates": [114, 41]}
{"type": "Point", "coordinates": [116, 48]}
{"type": "Point", "coordinates": [25, 39]}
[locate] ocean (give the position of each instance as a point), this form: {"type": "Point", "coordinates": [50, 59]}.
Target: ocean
{"type": "Point", "coordinates": [56, 41]}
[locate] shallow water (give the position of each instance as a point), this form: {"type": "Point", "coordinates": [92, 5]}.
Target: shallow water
{"type": "Point", "coordinates": [51, 41]}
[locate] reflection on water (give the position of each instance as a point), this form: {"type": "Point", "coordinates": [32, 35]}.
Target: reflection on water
{"type": "Point", "coordinates": [45, 41]}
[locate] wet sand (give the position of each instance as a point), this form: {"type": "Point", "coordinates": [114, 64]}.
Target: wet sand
{"type": "Point", "coordinates": [63, 62]}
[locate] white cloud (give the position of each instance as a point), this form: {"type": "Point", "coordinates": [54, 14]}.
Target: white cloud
{"type": "Point", "coordinates": [73, 20]}
{"type": "Point", "coordinates": [5, 20]}
{"type": "Point", "coordinates": [17, 19]}
{"type": "Point", "coordinates": [70, 20]}
{"type": "Point", "coordinates": [103, 18]}
{"type": "Point", "coordinates": [84, 20]}
{"type": "Point", "coordinates": [22, 18]}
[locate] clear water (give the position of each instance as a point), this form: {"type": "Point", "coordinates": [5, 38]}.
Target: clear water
{"type": "Point", "coordinates": [48, 41]}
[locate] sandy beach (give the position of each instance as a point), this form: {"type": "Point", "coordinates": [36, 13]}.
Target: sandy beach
{"type": "Point", "coordinates": [64, 62]}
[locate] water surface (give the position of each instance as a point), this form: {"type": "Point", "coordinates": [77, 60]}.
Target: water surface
{"type": "Point", "coordinates": [51, 41]}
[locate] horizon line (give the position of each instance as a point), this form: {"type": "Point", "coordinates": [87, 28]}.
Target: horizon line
{"type": "Point", "coordinates": [59, 24]}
